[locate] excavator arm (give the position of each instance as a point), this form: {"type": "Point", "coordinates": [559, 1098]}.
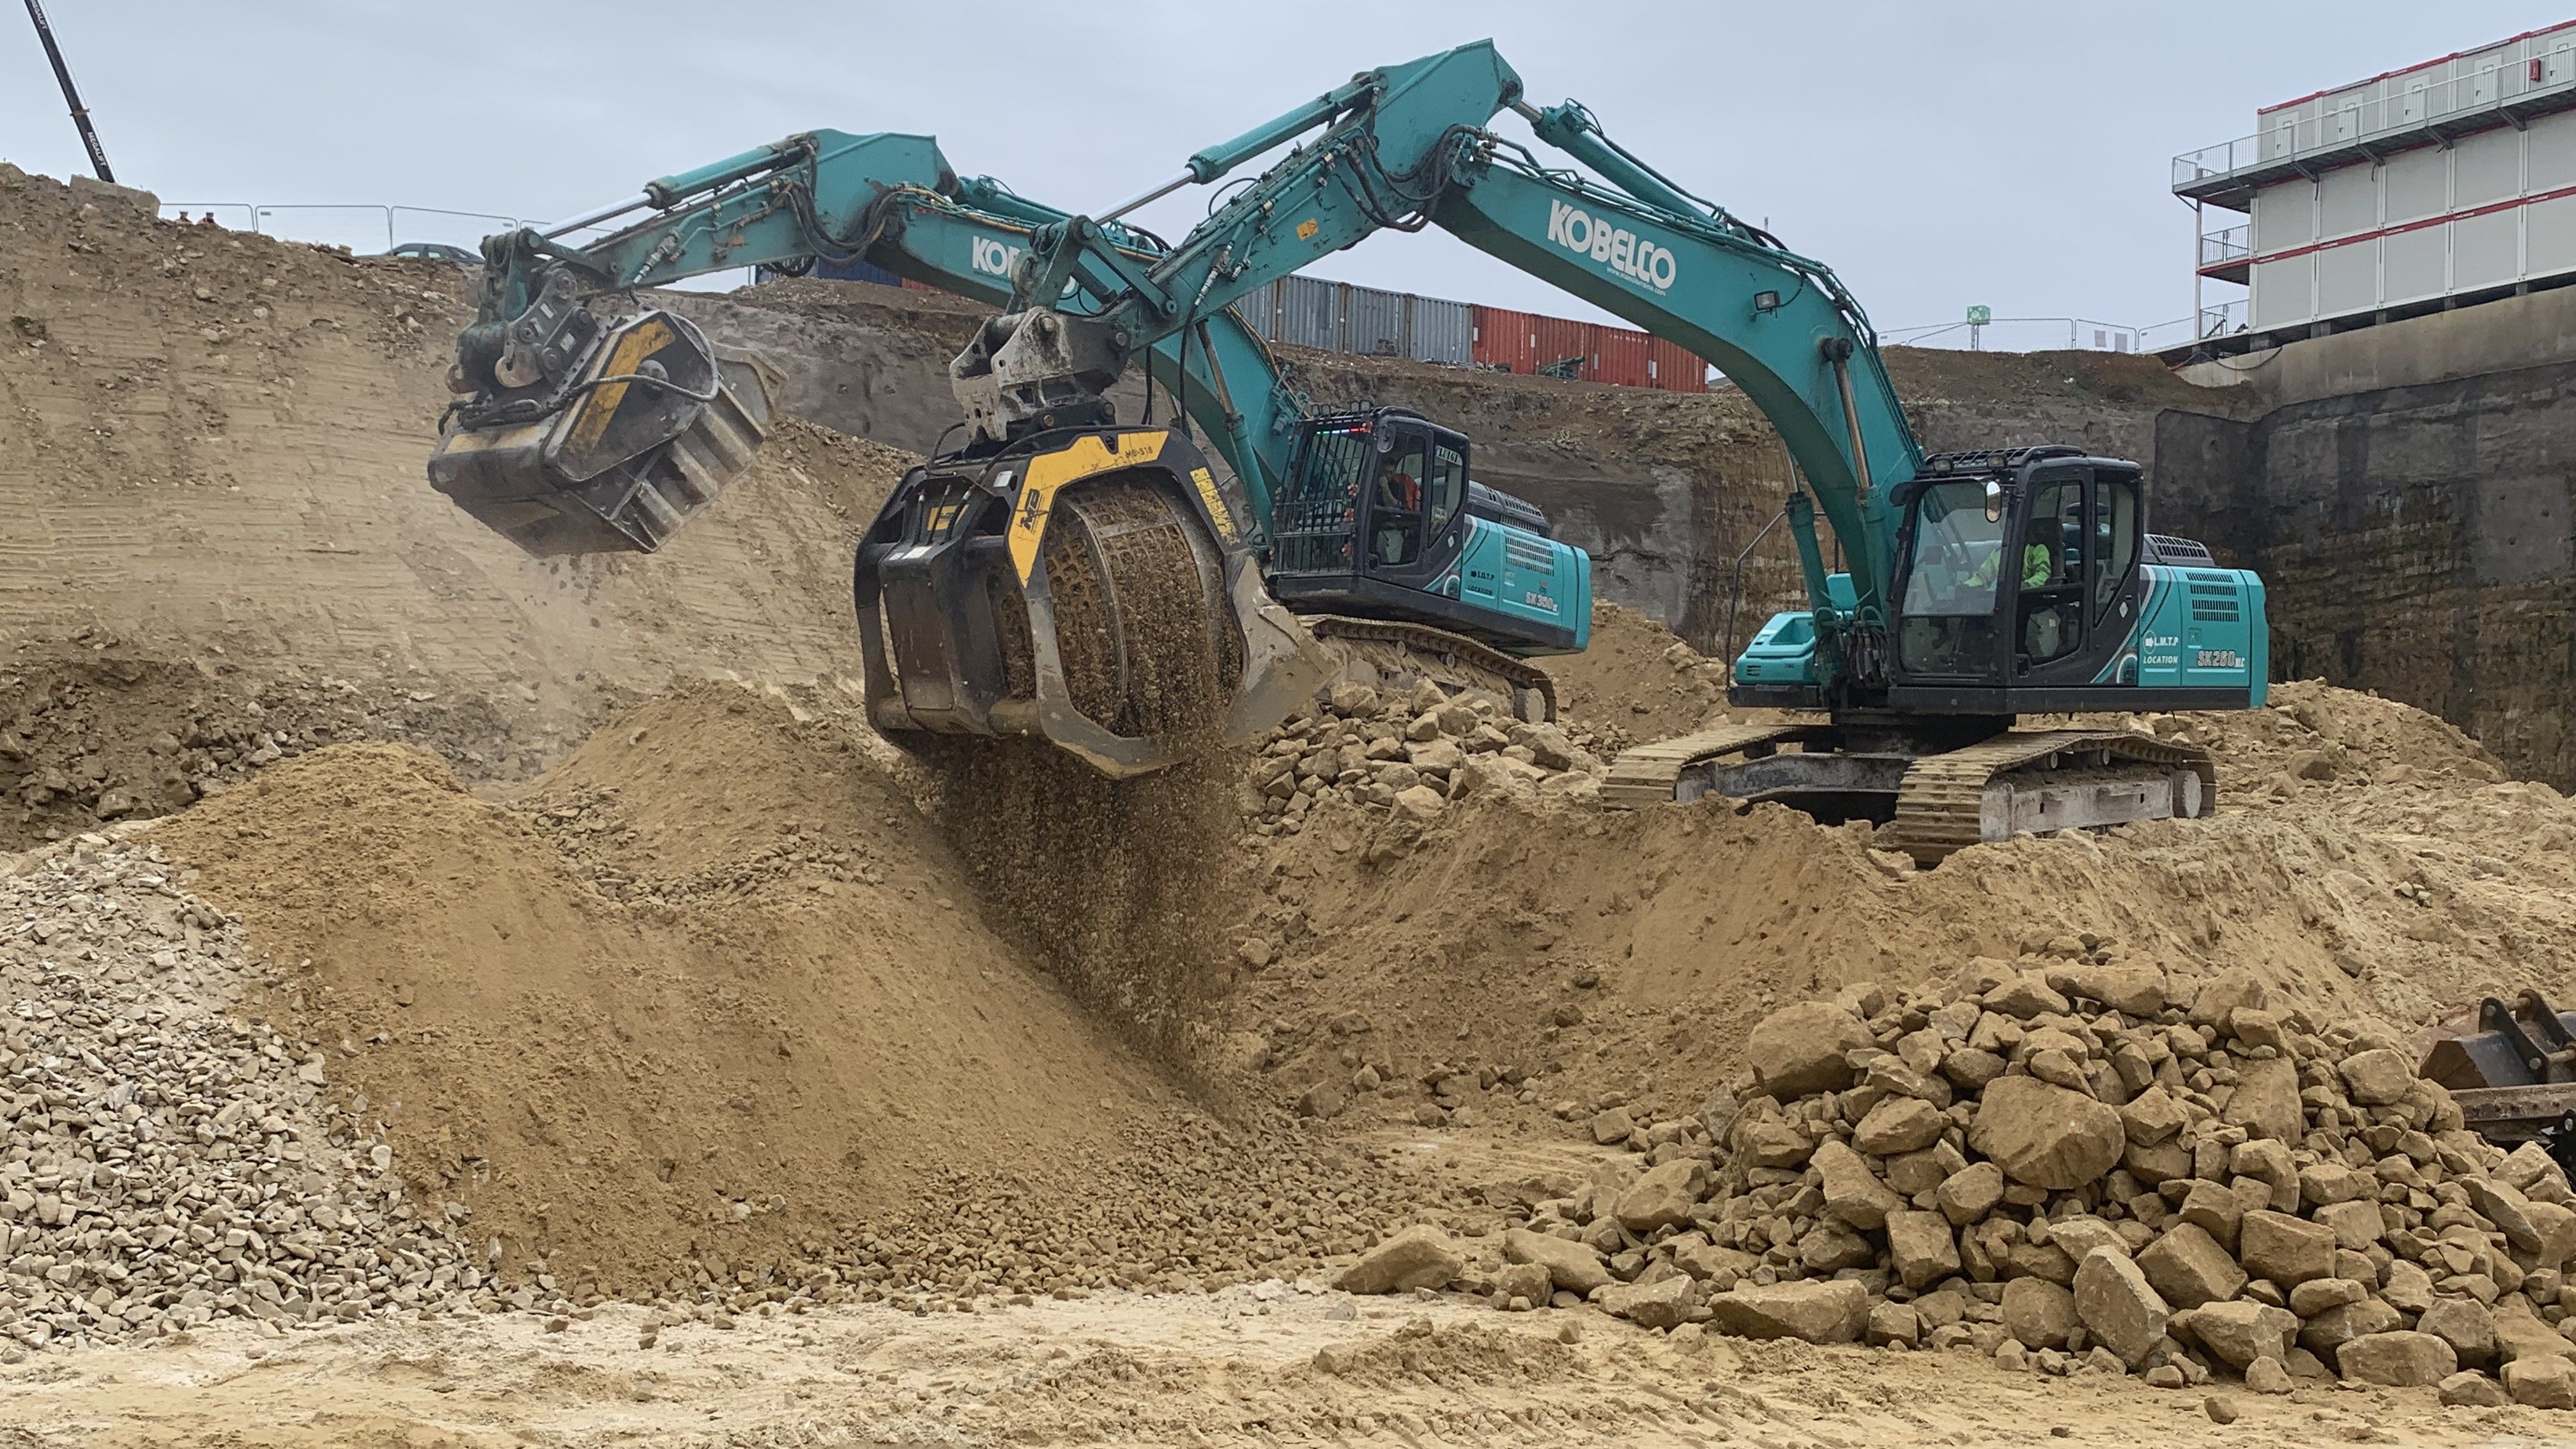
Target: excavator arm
{"type": "Point", "coordinates": [1408, 146]}
{"type": "Point", "coordinates": [547, 443]}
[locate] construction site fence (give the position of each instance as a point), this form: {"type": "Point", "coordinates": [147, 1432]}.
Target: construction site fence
{"type": "Point", "coordinates": [2024, 334]}
{"type": "Point", "coordinates": [360, 226]}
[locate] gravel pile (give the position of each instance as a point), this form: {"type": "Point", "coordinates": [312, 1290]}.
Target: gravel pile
{"type": "Point", "coordinates": [166, 1162]}
{"type": "Point", "coordinates": [2056, 1167]}
{"type": "Point", "coordinates": [1410, 754]}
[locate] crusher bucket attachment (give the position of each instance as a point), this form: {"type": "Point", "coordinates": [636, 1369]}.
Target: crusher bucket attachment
{"type": "Point", "coordinates": [1096, 590]}
{"type": "Point", "coordinates": [639, 433]}
{"type": "Point", "coordinates": [2515, 1076]}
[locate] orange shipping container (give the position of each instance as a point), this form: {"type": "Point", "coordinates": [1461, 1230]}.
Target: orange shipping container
{"type": "Point", "coordinates": [1675, 368]}
{"type": "Point", "coordinates": [1527, 343]}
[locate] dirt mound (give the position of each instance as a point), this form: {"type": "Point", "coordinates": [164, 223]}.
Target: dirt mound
{"type": "Point", "coordinates": [2370, 864]}
{"type": "Point", "coordinates": [712, 1008]}
{"type": "Point", "coordinates": [106, 734]}
{"type": "Point", "coordinates": [216, 452]}
{"type": "Point", "coordinates": [2125, 379]}
{"type": "Point", "coordinates": [765, 1043]}
{"type": "Point", "coordinates": [1638, 681]}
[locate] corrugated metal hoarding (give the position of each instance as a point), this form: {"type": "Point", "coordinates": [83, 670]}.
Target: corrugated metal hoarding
{"type": "Point", "coordinates": [1526, 342]}
{"type": "Point", "coordinates": [1373, 322]}
{"type": "Point", "coordinates": [1675, 368]}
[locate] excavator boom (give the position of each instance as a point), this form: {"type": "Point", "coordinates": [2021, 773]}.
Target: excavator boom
{"type": "Point", "coordinates": [1973, 586]}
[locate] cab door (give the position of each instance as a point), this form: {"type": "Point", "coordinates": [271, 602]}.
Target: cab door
{"type": "Point", "coordinates": [2076, 587]}
{"type": "Point", "coordinates": [1391, 522]}
{"type": "Point", "coordinates": [2046, 563]}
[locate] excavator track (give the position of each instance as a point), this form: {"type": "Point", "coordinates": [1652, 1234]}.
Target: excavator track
{"type": "Point", "coordinates": [1461, 653]}
{"type": "Point", "coordinates": [1943, 803]}
{"type": "Point", "coordinates": [1649, 774]}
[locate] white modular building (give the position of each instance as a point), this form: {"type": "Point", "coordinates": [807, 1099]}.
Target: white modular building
{"type": "Point", "coordinates": [2435, 186]}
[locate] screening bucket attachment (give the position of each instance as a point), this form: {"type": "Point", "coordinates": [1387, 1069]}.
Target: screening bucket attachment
{"type": "Point", "coordinates": [1096, 591]}
{"type": "Point", "coordinates": [645, 431]}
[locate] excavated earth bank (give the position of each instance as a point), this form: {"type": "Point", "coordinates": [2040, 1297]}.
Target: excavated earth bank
{"type": "Point", "coordinates": [545, 1011]}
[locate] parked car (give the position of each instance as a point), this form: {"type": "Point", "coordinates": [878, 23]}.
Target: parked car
{"type": "Point", "coordinates": [437, 252]}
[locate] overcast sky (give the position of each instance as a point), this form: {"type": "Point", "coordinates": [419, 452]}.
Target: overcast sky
{"type": "Point", "coordinates": [2014, 153]}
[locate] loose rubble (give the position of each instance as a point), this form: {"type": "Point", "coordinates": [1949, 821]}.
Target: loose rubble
{"type": "Point", "coordinates": [1409, 754]}
{"type": "Point", "coordinates": [2054, 1166]}
{"type": "Point", "coordinates": [168, 1162]}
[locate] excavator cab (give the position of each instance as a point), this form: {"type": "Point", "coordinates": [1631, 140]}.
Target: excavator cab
{"type": "Point", "coordinates": [1379, 518]}
{"type": "Point", "coordinates": [2028, 583]}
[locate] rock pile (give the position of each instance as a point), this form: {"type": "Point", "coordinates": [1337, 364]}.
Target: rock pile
{"type": "Point", "coordinates": [165, 1162]}
{"type": "Point", "coordinates": [2053, 1165]}
{"type": "Point", "coordinates": [1410, 754]}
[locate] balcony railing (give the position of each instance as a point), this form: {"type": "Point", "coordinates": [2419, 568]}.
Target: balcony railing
{"type": "Point", "coordinates": [2493, 89]}
{"type": "Point", "coordinates": [2218, 248]}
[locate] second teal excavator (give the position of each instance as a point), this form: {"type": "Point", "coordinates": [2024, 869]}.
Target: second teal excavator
{"type": "Point", "coordinates": [1102, 586]}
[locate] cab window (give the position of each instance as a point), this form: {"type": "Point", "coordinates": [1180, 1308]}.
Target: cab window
{"type": "Point", "coordinates": [1395, 512]}
{"type": "Point", "coordinates": [1948, 617]}
{"type": "Point", "coordinates": [2051, 611]}
{"type": "Point", "coordinates": [1448, 485]}
{"type": "Point", "coordinates": [2115, 539]}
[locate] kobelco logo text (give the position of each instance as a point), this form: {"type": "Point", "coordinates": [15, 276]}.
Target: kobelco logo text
{"type": "Point", "coordinates": [1625, 252]}
{"type": "Point", "coordinates": [994, 259]}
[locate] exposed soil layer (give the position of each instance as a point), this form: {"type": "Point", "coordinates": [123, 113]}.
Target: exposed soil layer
{"type": "Point", "coordinates": [216, 444]}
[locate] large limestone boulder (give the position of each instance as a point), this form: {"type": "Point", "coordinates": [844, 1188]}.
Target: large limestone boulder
{"type": "Point", "coordinates": [1899, 1124]}
{"type": "Point", "coordinates": [1830, 1312]}
{"type": "Point", "coordinates": [2266, 1102]}
{"type": "Point", "coordinates": [2329, 1329]}
{"type": "Point", "coordinates": [2541, 1383]}
{"type": "Point", "coordinates": [2287, 1250]}
{"type": "Point", "coordinates": [2047, 1136]}
{"type": "Point", "coordinates": [2242, 1331]}
{"type": "Point", "coordinates": [1799, 1049]}
{"type": "Point", "coordinates": [2463, 1323]}
{"type": "Point", "coordinates": [2189, 1268]}
{"type": "Point", "coordinates": [2118, 1306]}
{"type": "Point", "coordinates": [1418, 1257]}
{"type": "Point", "coordinates": [1663, 1197]}
{"type": "Point", "coordinates": [1571, 1266]}
{"type": "Point", "coordinates": [1922, 1248]}
{"type": "Point", "coordinates": [2400, 1360]}
{"type": "Point", "coordinates": [1970, 1193]}
{"type": "Point", "coordinates": [2376, 1078]}
{"type": "Point", "coordinates": [2039, 1313]}
{"type": "Point", "coordinates": [1666, 1303]}
{"type": "Point", "coordinates": [1853, 1194]}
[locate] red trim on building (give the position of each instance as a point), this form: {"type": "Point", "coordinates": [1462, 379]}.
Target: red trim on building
{"type": "Point", "coordinates": [2262, 111]}
{"type": "Point", "coordinates": [2490, 209]}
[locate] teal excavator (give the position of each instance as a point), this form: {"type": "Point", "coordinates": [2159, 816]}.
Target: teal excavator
{"type": "Point", "coordinates": [1106, 587]}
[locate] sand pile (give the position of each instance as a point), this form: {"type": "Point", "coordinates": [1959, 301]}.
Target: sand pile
{"type": "Point", "coordinates": [712, 1012]}
{"type": "Point", "coordinates": [217, 444]}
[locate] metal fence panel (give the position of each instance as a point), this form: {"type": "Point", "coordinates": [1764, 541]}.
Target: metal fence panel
{"type": "Point", "coordinates": [1257, 308]}
{"type": "Point", "coordinates": [1675, 368]}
